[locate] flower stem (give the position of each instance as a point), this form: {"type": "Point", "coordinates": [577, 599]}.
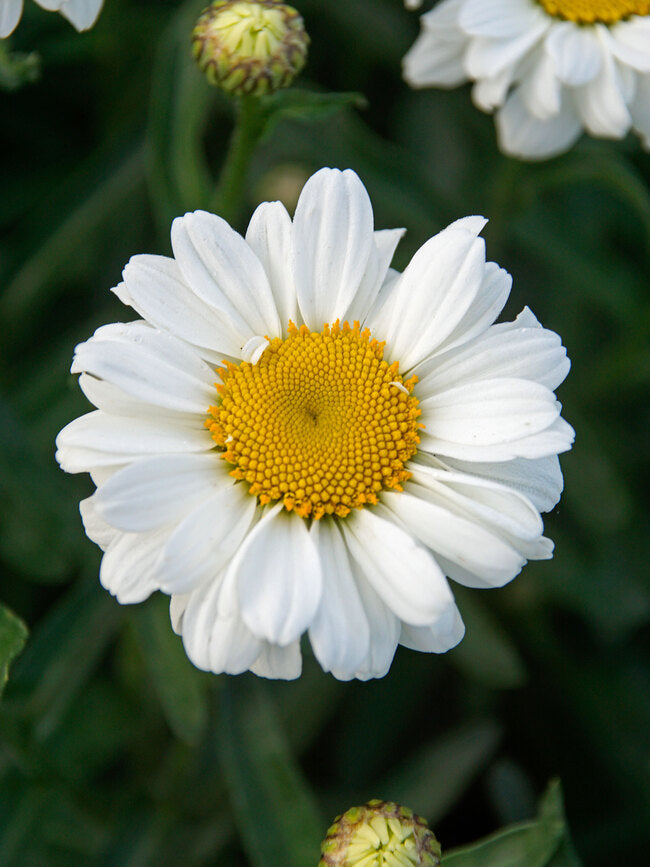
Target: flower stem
{"type": "Point", "coordinates": [249, 126]}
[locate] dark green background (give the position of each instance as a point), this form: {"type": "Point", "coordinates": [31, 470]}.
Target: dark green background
{"type": "Point", "coordinates": [113, 749]}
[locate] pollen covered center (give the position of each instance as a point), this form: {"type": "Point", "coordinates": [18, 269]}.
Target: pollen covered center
{"type": "Point", "coordinates": [595, 11]}
{"type": "Point", "coordinates": [321, 422]}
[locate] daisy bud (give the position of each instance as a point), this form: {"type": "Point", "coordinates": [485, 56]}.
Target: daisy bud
{"type": "Point", "coordinates": [250, 46]}
{"type": "Point", "coordinates": [379, 833]}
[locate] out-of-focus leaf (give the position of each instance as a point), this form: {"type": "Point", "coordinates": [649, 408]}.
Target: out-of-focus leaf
{"type": "Point", "coordinates": [543, 842]}
{"type": "Point", "coordinates": [179, 178]}
{"type": "Point", "coordinates": [300, 104]}
{"type": "Point", "coordinates": [275, 810]}
{"type": "Point", "coordinates": [311, 698]}
{"type": "Point", "coordinates": [17, 68]}
{"type": "Point", "coordinates": [593, 476]}
{"type": "Point", "coordinates": [65, 247]}
{"type": "Point", "coordinates": [63, 652]}
{"type": "Point", "coordinates": [609, 172]}
{"type": "Point", "coordinates": [439, 774]}
{"type": "Point", "coordinates": [13, 634]}
{"type": "Point", "coordinates": [180, 686]}
{"type": "Point", "coordinates": [382, 707]}
{"type": "Point", "coordinates": [39, 524]}
{"type": "Point", "coordinates": [486, 653]}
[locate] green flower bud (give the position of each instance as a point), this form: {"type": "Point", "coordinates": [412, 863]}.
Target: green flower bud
{"type": "Point", "coordinates": [250, 46]}
{"type": "Point", "coordinates": [379, 834]}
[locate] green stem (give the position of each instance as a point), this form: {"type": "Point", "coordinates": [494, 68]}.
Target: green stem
{"type": "Point", "coordinates": [249, 126]}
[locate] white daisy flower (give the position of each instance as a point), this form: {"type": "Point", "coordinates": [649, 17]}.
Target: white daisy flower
{"type": "Point", "coordinates": [82, 14]}
{"type": "Point", "coordinates": [370, 434]}
{"type": "Point", "coordinates": [551, 68]}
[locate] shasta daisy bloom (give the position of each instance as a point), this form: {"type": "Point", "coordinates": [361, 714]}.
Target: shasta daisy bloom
{"type": "Point", "coordinates": [550, 68]}
{"type": "Point", "coordinates": [297, 439]}
{"type": "Point", "coordinates": [82, 14]}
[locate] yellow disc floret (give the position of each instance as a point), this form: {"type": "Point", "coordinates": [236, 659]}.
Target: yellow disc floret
{"type": "Point", "coordinates": [595, 11]}
{"type": "Point", "coordinates": [321, 422]}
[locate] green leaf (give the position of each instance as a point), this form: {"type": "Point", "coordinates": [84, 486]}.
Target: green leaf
{"type": "Point", "coordinates": [300, 104]}
{"type": "Point", "coordinates": [13, 634]}
{"type": "Point", "coordinates": [64, 651]}
{"type": "Point", "coordinates": [17, 68]}
{"type": "Point", "coordinates": [179, 178]}
{"type": "Point", "coordinates": [605, 171]}
{"type": "Point", "coordinates": [274, 808]}
{"type": "Point", "coordinates": [486, 652]}
{"type": "Point", "coordinates": [543, 842]}
{"type": "Point", "coordinates": [180, 686]}
{"type": "Point", "coordinates": [438, 775]}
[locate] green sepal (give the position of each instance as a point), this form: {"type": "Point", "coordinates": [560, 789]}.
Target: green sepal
{"type": "Point", "coordinates": [13, 634]}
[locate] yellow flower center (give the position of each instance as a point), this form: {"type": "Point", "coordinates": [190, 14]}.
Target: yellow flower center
{"type": "Point", "coordinates": [595, 11]}
{"type": "Point", "coordinates": [321, 422]}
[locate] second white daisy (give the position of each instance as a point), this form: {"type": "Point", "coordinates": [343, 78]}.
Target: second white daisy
{"type": "Point", "coordinates": [369, 435]}
{"type": "Point", "coordinates": [82, 14]}
{"type": "Point", "coordinates": [550, 68]}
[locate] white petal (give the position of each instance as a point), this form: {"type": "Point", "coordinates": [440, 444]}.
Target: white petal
{"type": "Point", "coordinates": [556, 438]}
{"type": "Point", "coordinates": [629, 42]}
{"type": "Point", "coordinates": [333, 240]}
{"type": "Point", "coordinates": [541, 89]}
{"type": "Point", "coordinates": [497, 506]}
{"type": "Point", "coordinates": [206, 540]}
{"type": "Point", "coordinates": [158, 490]}
{"type": "Point", "coordinates": [279, 663]}
{"type": "Point", "coordinates": [10, 13]}
{"type": "Point", "coordinates": [212, 642]}
{"type": "Point", "coordinates": [439, 638]}
{"type": "Point", "coordinates": [488, 412]}
{"type": "Point", "coordinates": [521, 134]}
{"type": "Point", "coordinates": [443, 16]}
{"type": "Point", "coordinates": [96, 528]}
{"type": "Point", "coordinates": [640, 109]}
{"type": "Point", "coordinates": [98, 439]}
{"type": "Point", "coordinates": [115, 401]}
{"type": "Point", "coordinates": [575, 51]}
{"type": "Point", "coordinates": [521, 349]}
{"type": "Point", "coordinates": [339, 632]}
{"type": "Point", "coordinates": [435, 60]}
{"type": "Point", "coordinates": [384, 631]}
{"type": "Point", "coordinates": [402, 572]}
{"type": "Point", "coordinates": [487, 57]}
{"type": "Point", "coordinates": [177, 605]}
{"type": "Point", "coordinates": [487, 556]}
{"type": "Point", "coordinates": [490, 93]}
{"type": "Point", "coordinates": [488, 303]}
{"type": "Point", "coordinates": [500, 20]}
{"type": "Point", "coordinates": [223, 270]}
{"type": "Point", "coordinates": [254, 348]}
{"type": "Point", "coordinates": [602, 103]}
{"type": "Point", "coordinates": [82, 14]}
{"type": "Point", "coordinates": [155, 288]}
{"type": "Point", "coordinates": [270, 236]}
{"type": "Point", "coordinates": [127, 568]}
{"type": "Point", "coordinates": [150, 365]}
{"type": "Point", "coordinates": [436, 289]}
{"type": "Point", "coordinates": [539, 480]}
{"type": "Point", "coordinates": [278, 576]}
{"type": "Point", "coordinates": [381, 254]}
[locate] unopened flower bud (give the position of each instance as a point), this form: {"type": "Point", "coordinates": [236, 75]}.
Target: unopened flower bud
{"type": "Point", "coordinates": [379, 833]}
{"type": "Point", "coordinates": [250, 46]}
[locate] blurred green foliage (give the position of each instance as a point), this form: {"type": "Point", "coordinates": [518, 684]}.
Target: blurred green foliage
{"type": "Point", "coordinates": [114, 750]}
